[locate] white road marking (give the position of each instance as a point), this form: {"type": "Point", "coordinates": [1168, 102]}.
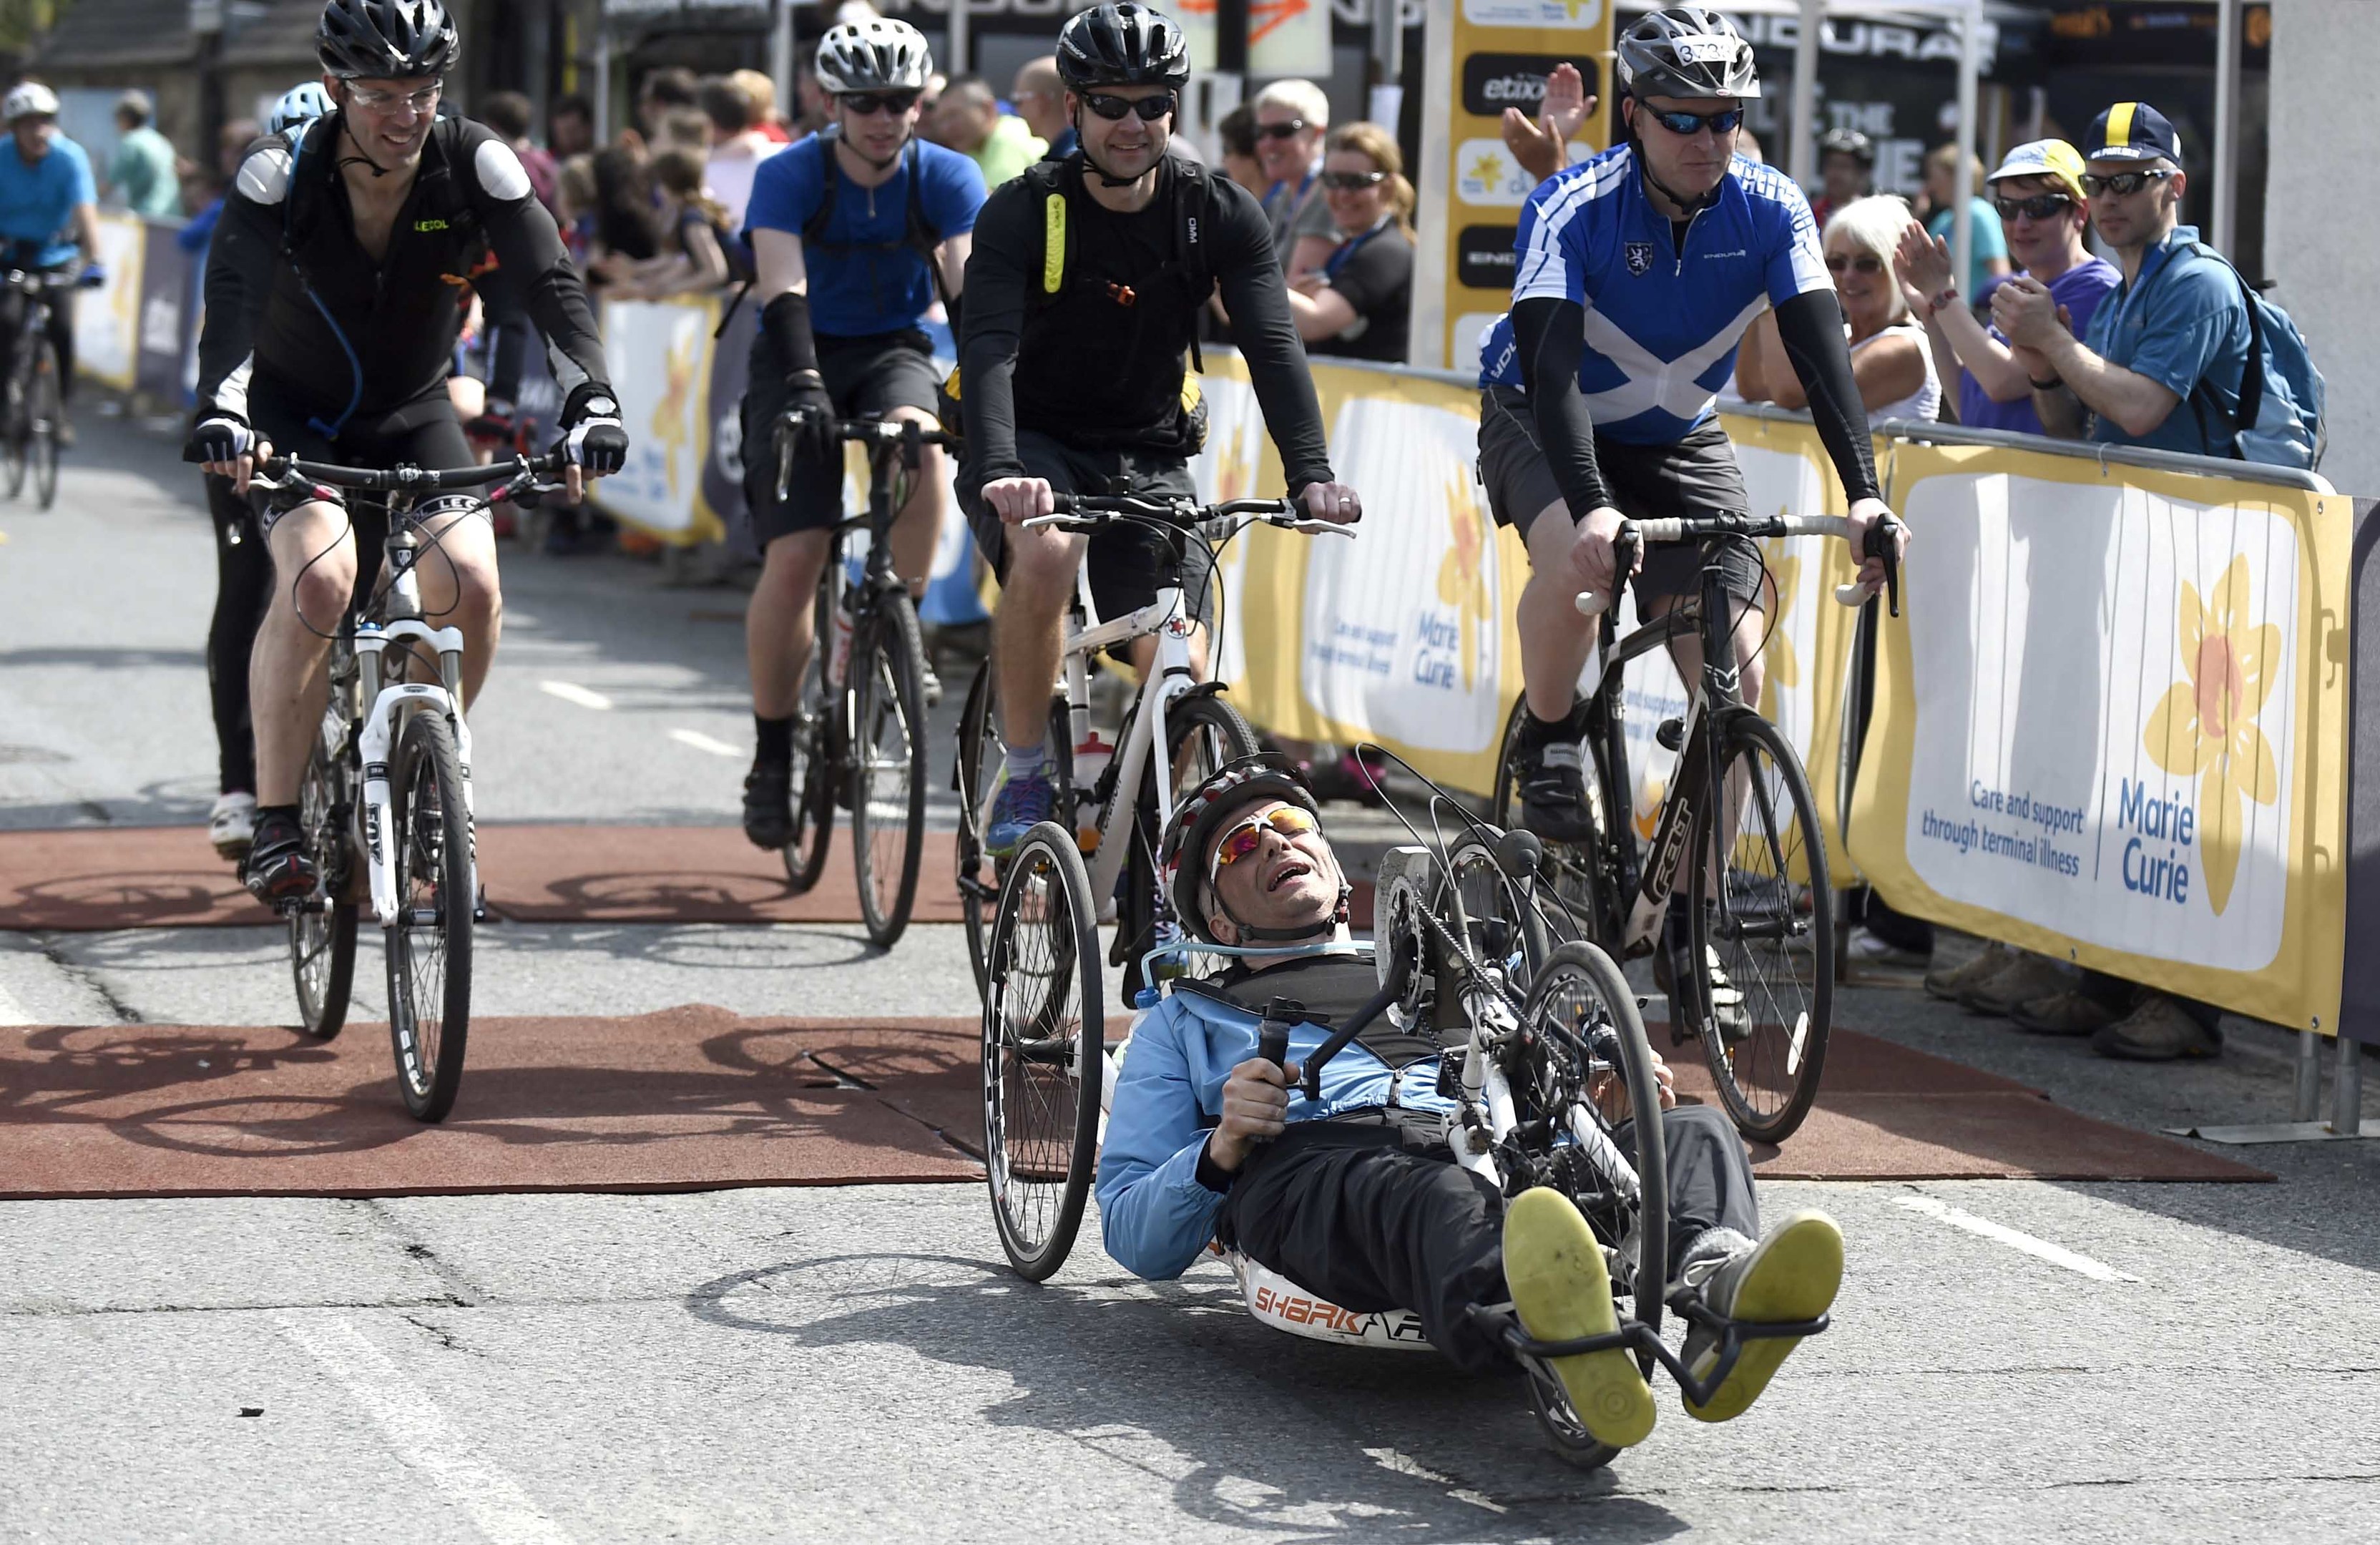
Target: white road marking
{"type": "Point", "coordinates": [571, 692]}
{"type": "Point", "coordinates": [11, 1010]}
{"type": "Point", "coordinates": [702, 742]}
{"type": "Point", "coordinates": [420, 1433]}
{"type": "Point", "coordinates": [2015, 1239]}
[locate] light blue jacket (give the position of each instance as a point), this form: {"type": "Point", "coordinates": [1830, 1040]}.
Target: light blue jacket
{"type": "Point", "coordinates": [1154, 1215]}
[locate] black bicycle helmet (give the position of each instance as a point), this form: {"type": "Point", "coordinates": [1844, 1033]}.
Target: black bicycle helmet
{"type": "Point", "coordinates": [1182, 852]}
{"type": "Point", "coordinates": [1849, 142]}
{"type": "Point", "coordinates": [873, 55]}
{"type": "Point", "coordinates": [386, 40]}
{"type": "Point", "coordinates": [1685, 51]}
{"type": "Point", "coordinates": [1121, 44]}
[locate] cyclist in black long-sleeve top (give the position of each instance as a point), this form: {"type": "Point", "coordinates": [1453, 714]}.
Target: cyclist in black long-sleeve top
{"type": "Point", "coordinates": [335, 288]}
{"type": "Point", "coordinates": [1083, 292]}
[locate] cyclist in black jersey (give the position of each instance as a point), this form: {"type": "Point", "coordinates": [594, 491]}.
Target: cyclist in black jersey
{"type": "Point", "coordinates": [1071, 361]}
{"type": "Point", "coordinates": [335, 288]}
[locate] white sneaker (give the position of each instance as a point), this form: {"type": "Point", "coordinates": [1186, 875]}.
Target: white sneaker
{"type": "Point", "coordinates": [231, 825]}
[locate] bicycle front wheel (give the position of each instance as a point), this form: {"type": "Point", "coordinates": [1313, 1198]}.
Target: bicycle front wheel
{"type": "Point", "coordinates": [814, 758]}
{"type": "Point", "coordinates": [978, 766]}
{"type": "Point", "coordinates": [888, 766]}
{"type": "Point", "coordinates": [322, 933]}
{"type": "Point", "coordinates": [429, 940]}
{"type": "Point", "coordinates": [45, 409]}
{"type": "Point", "coordinates": [1761, 921]}
{"type": "Point", "coordinates": [1044, 1030]}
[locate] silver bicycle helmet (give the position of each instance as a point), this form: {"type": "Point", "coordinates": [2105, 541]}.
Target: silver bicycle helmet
{"type": "Point", "coordinates": [1686, 51]}
{"type": "Point", "coordinates": [299, 107]}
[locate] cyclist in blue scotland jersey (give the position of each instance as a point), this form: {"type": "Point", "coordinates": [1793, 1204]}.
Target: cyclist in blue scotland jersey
{"type": "Point", "coordinates": [45, 192]}
{"type": "Point", "coordinates": [854, 231]}
{"type": "Point", "coordinates": [1638, 272]}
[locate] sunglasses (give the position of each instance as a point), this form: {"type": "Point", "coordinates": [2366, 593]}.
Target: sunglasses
{"type": "Point", "coordinates": [1282, 130]}
{"type": "Point", "coordinates": [422, 100]}
{"type": "Point", "coordinates": [2123, 185]}
{"type": "Point", "coordinates": [2041, 206]}
{"type": "Point", "coordinates": [1866, 262]}
{"type": "Point", "coordinates": [1242, 841]}
{"type": "Point", "coordinates": [1683, 125]}
{"type": "Point", "coordinates": [1115, 109]}
{"type": "Point", "coordinates": [867, 104]}
{"type": "Point", "coordinates": [1349, 182]}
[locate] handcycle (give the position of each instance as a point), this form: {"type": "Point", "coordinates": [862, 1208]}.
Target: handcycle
{"type": "Point", "coordinates": [1453, 927]}
{"type": "Point", "coordinates": [35, 403]}
{"type": "Point", "coordinates": [1116, 800]}
{"type": "Point", "coordinates": [386, 791]}
{"type": "Point", "coordinates": [1751, 859]}
{"type": "Point", "coordinates": [861, 741]}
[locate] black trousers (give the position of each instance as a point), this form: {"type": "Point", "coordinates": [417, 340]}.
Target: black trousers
{"type": "Point", "coordinates": [243, 589]}
{"type": "Point", "coordinates": [1345, 1212]}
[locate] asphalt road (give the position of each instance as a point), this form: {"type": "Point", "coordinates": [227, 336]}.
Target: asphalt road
{"type": "Point", "coordinates": [2183, 1362]}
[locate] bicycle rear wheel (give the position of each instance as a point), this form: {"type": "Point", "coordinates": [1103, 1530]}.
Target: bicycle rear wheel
{"type": "Point", "coordinates": [1044, 1028]}
{"type": "Point", "coordinates": [1203, 734]}
{"type": "Point", "coordinates": [888, 766]}
{"type": "Point", "coordinates": [322, 933]}
{"type": "Point", "coordinates": [44, 410]}
{"type": "Point", "coordinates": [805, 855]}
{"type": "Point", "coordinates": [429, 942]}
{"type": "Point", "coordinates": [1762, 914]}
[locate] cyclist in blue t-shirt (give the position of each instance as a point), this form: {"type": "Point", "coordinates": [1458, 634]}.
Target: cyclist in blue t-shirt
{"type": "Point", "coordinates": [853, 231]}
{"type": "Point", "coordinates": [1638, 272]}
{"type": "Point", "coordinates": [45, 191]}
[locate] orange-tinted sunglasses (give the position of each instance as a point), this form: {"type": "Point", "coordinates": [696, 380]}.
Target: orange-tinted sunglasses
{"type": "Point", "coordinates": [1243, 840]}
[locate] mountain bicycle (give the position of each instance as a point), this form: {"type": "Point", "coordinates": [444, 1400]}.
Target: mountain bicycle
{"type": "Point", "coordinates": [35, 403]}
{"type": "Point", "coordinates": [1116, 800]}
{"type": "Point", "coordinates": [860, 743]}
{"type": "Point", "coordinates": [1759, 916]}
{"type": "Point", "coordinates": [386, 794]}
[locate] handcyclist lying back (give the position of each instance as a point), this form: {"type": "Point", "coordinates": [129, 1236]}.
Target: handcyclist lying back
{"type": "Point", "coordinates": [1356, 1197]}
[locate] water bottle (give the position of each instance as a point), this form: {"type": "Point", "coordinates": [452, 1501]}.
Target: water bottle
{"type": "Point", "coordinates": [1091, 757]}
{"type": "Point", "coordinates": [839, 659]}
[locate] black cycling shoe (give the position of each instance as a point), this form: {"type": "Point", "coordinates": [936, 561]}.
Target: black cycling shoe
{"type": "Point", "coordinates": [1553, 793]}
{"type": "Point", "coordinates": [769, 804]}
{"type": "Point", "coordinates": [279, 869]}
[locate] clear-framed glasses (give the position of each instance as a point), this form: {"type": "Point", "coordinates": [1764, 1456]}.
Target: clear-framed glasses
{"type": "Point", "coordinates": [423, 101]}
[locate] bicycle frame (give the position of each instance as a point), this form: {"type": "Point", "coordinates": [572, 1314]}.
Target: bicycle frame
{"type": "Point", "coordinates": [1169, 679]}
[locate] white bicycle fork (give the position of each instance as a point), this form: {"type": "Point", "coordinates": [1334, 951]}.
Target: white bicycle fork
{"type": "Point", "coordinates": [384, 718]}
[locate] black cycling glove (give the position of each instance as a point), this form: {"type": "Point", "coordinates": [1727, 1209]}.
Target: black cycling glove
{"type": "Point", "coordinates": [219, 436]}
{"type": "Point", "coordinates": [592, 434]}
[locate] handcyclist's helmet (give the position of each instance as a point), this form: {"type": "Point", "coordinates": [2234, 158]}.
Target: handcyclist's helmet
{"type": "Point", "coordinates": [1122, 45]}
{"type": "Point", "coordinates": [1204, 812]}
{"type": "Point", "coordinates": [876, 55]}
{"type": "Point", "coordinates": [1849, 142]}
{"type": "Point", "coordinates": [299, 107]}
{"type": "Point", "coordinates": [386, 40]}
{"type": "Point", "coordinates": [1685, 51]}
{"type": "Point", "coordinates": [29, 99]}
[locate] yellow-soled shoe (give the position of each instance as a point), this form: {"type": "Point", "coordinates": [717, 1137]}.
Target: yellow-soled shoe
{"type": "Point", "coordinates": [1790, 1275]}
{"type": "Point", "coordinates": [1561, 1292]}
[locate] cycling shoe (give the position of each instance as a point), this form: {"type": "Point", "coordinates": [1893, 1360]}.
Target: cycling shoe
{"type": "Point", "coordinates": [1553, 794]}
{"type": "Point", "coordinates": [279, 869]}
{"type": "Point", "coordinates": [769, 804]}
{"type": "Point", "coordinates": [231, 825]}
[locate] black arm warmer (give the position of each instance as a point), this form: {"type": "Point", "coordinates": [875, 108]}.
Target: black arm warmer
{"type": "Point", "coordinates": [1810, 327]}
{"type": "Point", "coordinates": [993, 331]}
{"type": "Point", "coordinates": [786, 319]}
{"type": "Point", "coordinates": [1551, 336]}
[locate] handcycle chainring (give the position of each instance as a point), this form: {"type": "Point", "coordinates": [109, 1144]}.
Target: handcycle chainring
{"type": "Point", "coordinates": [1399, 896]}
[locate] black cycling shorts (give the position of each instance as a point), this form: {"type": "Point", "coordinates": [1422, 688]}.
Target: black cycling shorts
{"type": "Point", "coordinates": [1127, 563]}
{"type": "Point", "coordinates": [1696, 475]}
{"type": "Point", "coordinates": [867, 378]}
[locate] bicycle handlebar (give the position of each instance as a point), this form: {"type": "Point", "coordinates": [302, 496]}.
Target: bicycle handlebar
{"type": "Point", "coordinates": [875, 432]}
{"type": "Point", "coordinates": [1880, 544]}
{"type": "Point", "coordinates": [282, 470]}
{"type": "Point", "coordinates": [1088, 512]}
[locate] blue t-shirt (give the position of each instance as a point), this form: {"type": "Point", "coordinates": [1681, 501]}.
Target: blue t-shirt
{"type": "Point", "coordinates": [863, 277]}
{"type": "Point", "coordinates": [2079, 289]}
{"type": "Point", "coordinates": [37, 201]}
{"type": "Point", "coordinates": [2182, 322]}
{"type": "Point", "coordinates": [1661, 324]}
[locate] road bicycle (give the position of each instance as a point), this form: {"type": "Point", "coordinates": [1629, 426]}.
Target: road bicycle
{"type": "Point", "coordinates": [1115, 798]}
{"type": "Point", "coordinates": [386, 792]}
{"type": "Point", "coordinates": [35, 403]}
{"type": "Point", "coordinates": [1759, 992]}
{"type": "Point", "coordinates": [861, 740]}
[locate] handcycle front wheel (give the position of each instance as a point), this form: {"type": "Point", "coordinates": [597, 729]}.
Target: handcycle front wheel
{"type": "Point", "coordinates": [888, 766]}
{"type": "Point", "coordinates": [429, 943]}
{"type": "Point", "coordinates": [1582, 1018]}
{"type": "Point", "coordinates": [1759, 908]}
{"type": "Point", "coordinates": [1044, 1027]}
{"type": "Point", "coordinates": [322, 933]}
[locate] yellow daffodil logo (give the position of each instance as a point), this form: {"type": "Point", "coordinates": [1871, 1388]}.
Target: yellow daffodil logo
{"type": "Point", "coordinates": [670, 412]}
{"type": "Point", "coordinates": [1784, 669]}
{"type": "Point", "coordinates": [1488, 171]}
{"type": "Point", "coordinates": [2205, 726]}
{"type": "Point", "coordinates": [1235, 464]}
{"type": "Point", "coordinates": [1460, 583]}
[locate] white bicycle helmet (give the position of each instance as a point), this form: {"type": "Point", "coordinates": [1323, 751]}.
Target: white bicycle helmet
{"type": "Point", "coordinates": [29, 99]}
{"type": "Point", "coordinates": [878, 56]}
{"type": "Point", "coordinates": [299, 107]}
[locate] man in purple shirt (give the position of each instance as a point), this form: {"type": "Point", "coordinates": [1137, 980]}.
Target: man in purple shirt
{"type": "Point", "coordinates": [2039, 192]}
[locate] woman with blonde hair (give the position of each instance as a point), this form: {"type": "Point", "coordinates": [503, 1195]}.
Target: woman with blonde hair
{"type": "Point", "coordinates": [1890, 357]}
{"type": "Point", "coordinates": [1355, 306]}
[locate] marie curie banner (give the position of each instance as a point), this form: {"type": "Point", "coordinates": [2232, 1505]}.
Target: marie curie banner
{"type": "Point", "coordinates": [2105, 727]}
{"type": "Point", "coordinates": [659, 355]}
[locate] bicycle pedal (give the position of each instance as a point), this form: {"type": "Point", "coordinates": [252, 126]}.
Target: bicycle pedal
{"type": "Point", "coordinates": [1671, 734]}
